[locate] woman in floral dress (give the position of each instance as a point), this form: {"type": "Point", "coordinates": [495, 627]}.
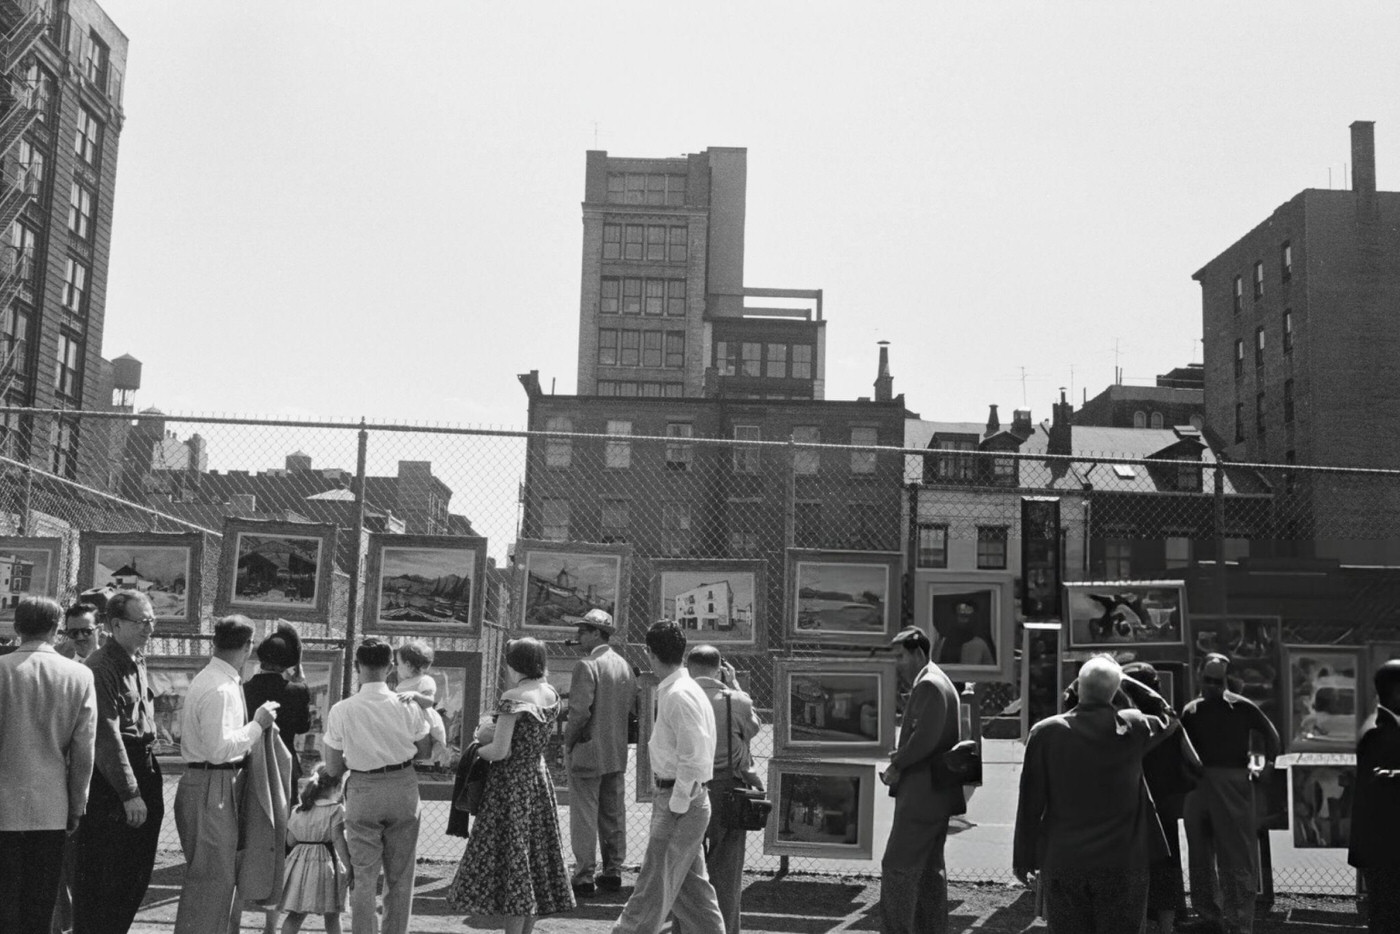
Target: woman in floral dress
{"type": "Point", "coordinates": [514, 865]}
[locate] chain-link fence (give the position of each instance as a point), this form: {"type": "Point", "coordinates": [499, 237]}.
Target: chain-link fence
{"type": "Point", "coordinates": [781, 554]}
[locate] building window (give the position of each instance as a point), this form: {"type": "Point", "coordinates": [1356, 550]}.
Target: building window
{"type": "Point", "coordinates": [1156, 419]}
{"type": "Point", "coordinates": [655, 301]}
{"type": "Point", "coordinates": [806, 461]}
{"type": "Point", "coordinates": [80, 211]}
{"type": "Point", "coordinates": [631, 296]}
{"type": "Point", "coordinates": [610, 296]}
{"type": "Point", "coordinates": [612, 526]}
{"type": "Point", "coordinates": [991, 547]}
{"type": "Point", "coordinates": [1258, 280]}
{"type": "Point", "coordinates": [75, 277]}
{"type": "Point", "coordinates": [724, 358]}
{"type": "Point", "coordinates": [743, 522]}
{"type": "Point", "coordinates": [1239, 421]}
{"type": "Point", "coordinates": [1286, 260]}
{"type": "Point", "coordinates": [607, 347]}
{"type": "Point", "coordinates": [1178, 551]}
{"type": "Point", "coordinates": [31, 165]}
{"type": "Point", "coordinates": [1239, 293]}
{"type": "Point", "coordinates": [1004, 471]}
{"type": "Point", "coordinates": [1259, 413]}
{"type": "Point", "coordinates": [95, 61]}
{"type": "Point", "coordinates": [751, 359]}
{"type": "Point", "coordinates": [1188, 476]}
{"type": "Point", "coordinates": [675, 350]}
{"type": "Point", "coordinates": [559, 452]}
{"type": "Point", "coordinates": [746, 457]}
{"type": "Point", "coordinates": [656, 244]}
{"type": "Point", "coordinates": [679, 249]}
{"type": "Point", "coordinates": [630, 353]}
{"type": "Point", "coordinates": [777, 361]}
{"type": "Point", "coordinates": [1117, 559]}
{"type": "Point", "coordinates": [675, 525]}
{"type": "Point", "coordinates": [679, 455]}
{"type": "Point", "coordinates": [1139, 419]}
{"type": "Point", "coordinates": [1288, 400]}
{"type": "Point", "coordinates": [41, 85]}
{"type": "Point", "coordinates": [1288, 330]}
{"type": "Point", "coordinates": [641, 188]}
{"type": "Point", "coordinates": [554, 521]}
{"type": "Point", "coordinates": [612, 241]}
{"type": "Point", "coordinates": [1258, 347]}
{"type": "Point", "coordinates": [955, 467]}
{"type": "Point", "coordinates": [864, 520]}
{"type": "Point", "coordinates": [932, 546]}
{"type": "Point", "coordinates": [87, 140]}
{"type": "Point", "coordinates": [67, 377]}
{"type": "Point", "coordinates": [651, 349]}
{"type": "Point", "coordinates": [1239, 358]}
{"type": "Point", "coordinates": [19, 258]}
{"type": "Point", "coordinates": [806, 525]}
{"type": "Point", "coordinates": [863, 462]}
{"type": "Point", "coordinates": [63, 438]}
{"type": "Point", "coordinates": [801, 361]}
{"type": "Point", "coordinates": [14, 353]}
{"type": "Point", "coordinates": [675, 298]}
{"type": "Point", "coordinates": [633, 242]}
{"type": "Point", "coordinates": [618, 454]}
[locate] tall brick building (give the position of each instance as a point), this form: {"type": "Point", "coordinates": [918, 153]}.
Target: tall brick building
{"type": "Point", "coordinates": [60, 121]}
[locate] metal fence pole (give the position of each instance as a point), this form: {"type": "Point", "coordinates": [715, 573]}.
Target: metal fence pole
{"type": "Point", "coordinates": [28, 498]}
{"type": "Point", "coordinates": [355, 559]}
{"type": "Point", "coordinates": [1221, 584]}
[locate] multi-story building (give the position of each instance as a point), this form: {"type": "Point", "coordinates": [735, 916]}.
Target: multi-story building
{"type": "Point", "coordinates": [663, 298]}
{"type": "Point", "coordinates": [1177, 398]}
{"type": "Point", "coordinates": [61, 116]}
{"type": "Point", "coordinates": [1300, 350]}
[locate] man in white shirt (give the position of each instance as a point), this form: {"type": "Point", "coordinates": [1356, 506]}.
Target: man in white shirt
{"type": "Point", "coordinates": [215, 738]}
{"type": "Point", "coordinates": [373, 734]}
{"type": "Point", "coordinates": [682, 748]}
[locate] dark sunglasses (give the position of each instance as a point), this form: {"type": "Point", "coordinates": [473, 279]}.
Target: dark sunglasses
{"type": "Point", "coordinates": [77, 633]}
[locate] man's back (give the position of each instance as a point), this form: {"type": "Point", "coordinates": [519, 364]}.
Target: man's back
{"type": "Point", "coordinates": [375, 728]}
{"type": "Point", "coordinates": [1219, 729]}
{"type": "Point", "coordinates": [49, 715]}
{"type": "Point", "coordinates": [601, 697]}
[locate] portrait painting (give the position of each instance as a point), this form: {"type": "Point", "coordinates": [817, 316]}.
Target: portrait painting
{"type": "Point", "coordinates": [28, 568]}
{"type": "Point", "coordinates": [1254, 647]}
{"type": "Point", "coordinates": [1113, 614]}
{"type": "Point", "coordinates": [718, 602]}
{"type": "Point", "coordinates": [426, 584]}
{"type": "Point", "coordinates": [1325, 712]}
{"type": "Point", "coordinates": [835, 707]}
{"type": "Point", "coordinates": [821, 809]}
{"type": "Point", "coordinates": [277, 569]}
{"type": "Point", "coordinates": [561, 584]}
{"type": "Point", "coordinates": [844, 597]}
{"type": "Point", "coordinates": [1321, 797]}
{"type": "Point", "coordinates": [969, 617]}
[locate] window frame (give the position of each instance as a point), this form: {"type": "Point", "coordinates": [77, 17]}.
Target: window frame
{"type": "Point", "coordinates": [1258, 279]}
{"type": "Point", "coordinates": [556, 503]}
{"type": "Point", "coordinates": [990, 540]}
{"type": "Point", "coordinates": [805, 461]}
{"type": "Point", "coordinates": [920, 549]}
{"type": "Point", "coordinates": [746, 459]}
{"type": "Point", "coordinates": [863, 463]}
{"type": "Point", "coordinates": [680, 456]}
{"type": "Point", "coordinates": [617, 455]}
{"type": "Point", "coordinates": [87, 139]}
{"type": "Point", "coordinates": [559, 452]}
{"type": "Point", "coordinates": [1288, 331]}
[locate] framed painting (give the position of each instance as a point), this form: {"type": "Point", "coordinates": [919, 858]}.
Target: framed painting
{"type": "Point", "coordinates": [824, 810]}
{"type": "Point", "coordinates": [425, 584]}
{"type": "Point", "coordinates": [164, 567]}
{"type": "Point", "coordinates": [846, 597]}
{"type": "Point", "coordinates": [1115, 614]}
{"type": "Point", "coordinates": [719, 602]}
{"type": "Point", "coordinates": [834, 707]}
{"type": "Point", "coordinates": [28, 568]}
{"type": "Point", "coordinates": [321, 668]}
{"type": "Point", "coordinates": [646, 719]}
{"type": "Point", "coordinates": [1255, 649]}
{"type": "Point", "coordinates": [1324, 712]}
{"type": "Point", "coordinates": [560, 582]}
{"type": "Point", "coordinates": [170, 677]}
{"type": "Point", "coordinates": [277, 570]}
{"type": "Point", "coordinates": [1321, 797]}
{"type": "Point", "coordinates": [970, 618]}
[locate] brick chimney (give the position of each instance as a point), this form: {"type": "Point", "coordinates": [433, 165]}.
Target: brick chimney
{"type": "Point", "coordinates": [993, 422]}
{"type": "Point", "coordinates": [1021, 425]}
{"type": "Point", "coordinates": [884, 382]}
{"type": "Point", "coordinates": [1363, 157]}
{"type": "Point", "coordinates": [1060, 422]}
{"type": "Point", "coordinates": [298, 460]}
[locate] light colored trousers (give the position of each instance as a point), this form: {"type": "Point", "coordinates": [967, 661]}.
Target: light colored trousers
{"type": "Point", "coordinates": [206, 817]}
{"type": "Point", "coordinates": [381, 827]}
{"type": "Point", "coordinates": [1223, 835]}
{"type": "Point", "coordinates": [597, 816]}
{"type": "Point", "coordinates": [725, 849]}
{"type": "Point", "coordinates": [673, 878]}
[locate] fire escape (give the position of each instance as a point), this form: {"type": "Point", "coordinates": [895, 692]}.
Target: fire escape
{"type": "Point", "coordinates": [22, 23]}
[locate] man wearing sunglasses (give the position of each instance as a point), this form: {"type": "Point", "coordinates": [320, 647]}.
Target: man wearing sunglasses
{"type": "Point", "coordinates": [1222, 830]}
{"type": "Point", "coordinates": [80, 635]}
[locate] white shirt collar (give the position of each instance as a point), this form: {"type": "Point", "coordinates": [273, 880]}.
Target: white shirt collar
{"type": "Point", "coordinates": [673, 677]}
{"type": "Point", "coordinates": [375, 687]}
{"type": "Point", "coordinates": [224, 668]}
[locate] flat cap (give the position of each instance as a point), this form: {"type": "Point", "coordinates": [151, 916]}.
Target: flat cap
{"type": "Point", "coordinates": [600, 620]}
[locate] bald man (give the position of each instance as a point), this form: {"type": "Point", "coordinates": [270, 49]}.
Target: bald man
{"type": "Point", "coordinates": [1084, 818]}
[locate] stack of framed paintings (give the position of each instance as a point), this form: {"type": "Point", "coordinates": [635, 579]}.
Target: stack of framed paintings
{"type": "Point", "coordinates": [29, 567]}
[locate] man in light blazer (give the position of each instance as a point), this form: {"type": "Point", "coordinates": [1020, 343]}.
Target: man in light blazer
{"type": "Point", "coordinates": [913, 875]}
{"type": "Point", "coordinates": [602, 695]}
{"type": "Point", "coordinates": [46, 737]}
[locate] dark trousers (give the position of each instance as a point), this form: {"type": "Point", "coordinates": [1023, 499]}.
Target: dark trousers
{"type": "Point", "coordinates": [914, 879]}
{"type": "Point", "coordinates": [30, 863]}
{"type": "Point", "coordinates": [115, 861]}
{"type": "Point", "coordinates": [1097, 901]}
{"type": "Point", "coordinates": [1383, 899]}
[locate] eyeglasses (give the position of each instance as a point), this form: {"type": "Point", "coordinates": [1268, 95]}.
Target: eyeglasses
{"type": "Point", "coordinates": [143, 621]}
{"type": "Point", "coordinates": [77, 633]}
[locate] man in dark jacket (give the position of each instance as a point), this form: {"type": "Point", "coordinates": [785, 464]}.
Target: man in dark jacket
{"type": "Point", "coordinates": [1084, 818]}
{"type": "Point", "coordinates": [1375, 813]}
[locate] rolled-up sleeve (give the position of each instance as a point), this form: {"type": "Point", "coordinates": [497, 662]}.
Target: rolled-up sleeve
{"type": "Point", "coordinates": [109, 753]}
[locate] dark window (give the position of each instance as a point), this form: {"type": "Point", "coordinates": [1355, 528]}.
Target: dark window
{"type": "Point", "coordinates": [95, 58]}
{"type": "Point", "coordinates": [631, 353]}
{"type": "Point", "coordinates": [63, 438]}
{"type": "Point", "coordinates": [559, 452]}
{"type": "Point", "coordinates": [554, 521]}
{"type": "Point", "coordinates": [14, 339]}
{"type": "Point", "coordinates": [1258, 347]}
{"type": "Point", "coordinates": [607, 347]}
{"type": "Point", "coordinates": [610, 301]}
{"type": "Point", "coordinates": [675, 523]}
{"type": "Point", "coordinates": [1239, 293]}
{"type": "Point", "coordinates": [655, 302]}
{"type": "Point", "coordinates": [675, 298]}
{"type": "Point", "coordinates": [801, 361]}
{"type": "Point", "coordinates": [679, 454]}
{"type": "Point", "coordinates": [1239, 357]}
{"type": "Point", "coordinates": [1288, 330]}
{"type": "Point", "coordinates": [679, 246]}
{"type": "Point", "coordinates": [724, 357]}
{"type": "Point", "coordinates": [1239, 421]}
{"type": "Point", "coordinates": [1156, 419]}
{"type": "Point", "coordinates": [67, 378]}
{"type": "Point", "coordinates": [1258, 280]}
{"type": "Point", "coordinates": [1117, 558]}
{"type": "Point", "coordinates": [612, 241]}
{"type": "Point", "coordinates": [863, 462]}
{"type": "Point", "coordinates": [806, 461]}
{"type": "Point", "coordinates": [751, 358]}
{"type": "Point", "coordinates": [75, 284]}
{"type": "Point", "coordinates": [1288, 400]}
{"type": "Point", "coordinates": [618, 454]}
{"type": "Point", "coordinates": [991, 547]}
{"type": "Point", "coordinates": [955, 467]}
{"type": "Point", "coordinates": [746, 457]}
{"type": "Point", "coordinates": [675, 350]}
{"type": "Point", "coordinates": [1188, 476]}
{"type": "Point", "coordinates": [1259, 413]}
{"type": "Point", "coordinates": [87, 139]}
{"type": "Point", "coordinates": [615, 518]}
{"type": "Point", "coordinates": [632, 242]}
{"type": "Point", "coordinates": [651, 348]}
{"type": "Point", "coordinates": [656, 244]}
{"type": "Point", "coordinates": [1286, 260]}
{"type": "Point", "coordinates": [631, 296]}
{"type": "Point", "coordinates": [932, 546]}
{"type": "Point", "coordinates": [777, 361]}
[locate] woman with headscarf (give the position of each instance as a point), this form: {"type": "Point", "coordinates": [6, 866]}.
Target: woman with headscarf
{"type": "Point", "coordinates": [279, 679]}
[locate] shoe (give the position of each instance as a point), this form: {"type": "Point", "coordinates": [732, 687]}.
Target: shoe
{"type": "Point", "coordinates": [585, 889]}
{"type": "Point", "coordinates": [610, 883]}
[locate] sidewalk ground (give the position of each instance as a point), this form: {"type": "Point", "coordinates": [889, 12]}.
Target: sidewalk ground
{"type": "Point", "coordinates": [789, 905]}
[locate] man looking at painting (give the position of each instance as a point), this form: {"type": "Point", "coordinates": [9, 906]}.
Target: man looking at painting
{"type": "Point", "coordinates": [601, 696]}
{"type": "Point", "coordinates": [913, 874]}
{"type": "Point", "coordinates": [116, 841]}
{"type": "Point", "coordinates": [962, 643]}
{"type": "Point", "coordinates": [1375, 814]}
{"type": "Point", "coordinates": [1222, 829]}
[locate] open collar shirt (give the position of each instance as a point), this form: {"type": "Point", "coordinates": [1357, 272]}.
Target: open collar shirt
{"type": "Point", "coordinates": [375, 728]}
{"type": "Point", "coordinates": [214, 724]}
{"type": "Point", "coordinates": [126, 714]}
{"type": "Point", "coordinates": [682, 745]}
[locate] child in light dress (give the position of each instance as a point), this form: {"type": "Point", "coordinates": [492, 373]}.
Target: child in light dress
{"type": "Point", "coordinates": [318, 866]}
{"type": "Point", "coordinates": [412, 660]}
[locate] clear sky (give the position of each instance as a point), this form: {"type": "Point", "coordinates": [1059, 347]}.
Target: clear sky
{"type": "Point", "coordinates": [344, 208]}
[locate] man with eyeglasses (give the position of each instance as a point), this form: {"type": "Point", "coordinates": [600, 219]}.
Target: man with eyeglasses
{"type": "Point", "coordinates": [116, 842]}
{"type": "Point", "coordinates": [1222, 830]}
{"type": "Point", "coordinates": [79, 632]}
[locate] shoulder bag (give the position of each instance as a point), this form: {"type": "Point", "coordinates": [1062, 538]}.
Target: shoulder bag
{"type": "Point", "coordinates": [741, 807]}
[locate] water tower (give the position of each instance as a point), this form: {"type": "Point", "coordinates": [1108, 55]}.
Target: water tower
{"type": "Point", "coordinates": [126, 379]}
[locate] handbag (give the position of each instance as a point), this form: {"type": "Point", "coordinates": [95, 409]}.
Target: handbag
{"type": "Point", "coordinates": [961, 765]}
{"type": "Point", "coordinates": [741, 808]}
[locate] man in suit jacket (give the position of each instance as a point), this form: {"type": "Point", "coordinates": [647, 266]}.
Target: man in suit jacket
{"type": "Point", "coordinates": [913, 875]}
{"type": "Point", "coordinates": [602, 695]}
{"type": "Point", "coordinates": [1375, 812]}
{"type": "Point", "coordinates": [1084, 818]}
{"type": "Point", "coordinates": [46, 737]}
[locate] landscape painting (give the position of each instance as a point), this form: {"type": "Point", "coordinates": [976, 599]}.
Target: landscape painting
{"type": "Point", "coordinates": [719, 602]}
{"type": "Point", "coordinates": [835, 707]}
{"type": "Point", "coordinates": [164, 567]}
{"type": "Point", "coordinates": [562, 583]}
{"type": "Point", "coordinates": [277, 569]}
{"type": "Point", "coordinates": [28, 568]}
{"type": "Point", "coordinates": [846, 597]}
{"type": "Point", "coordinates": [821, 809]}
{"type": "Point", "coordinates": [426, 583]}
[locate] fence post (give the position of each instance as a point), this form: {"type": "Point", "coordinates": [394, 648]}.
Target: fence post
{"type": "Point", "coordinates": [911, 554]}
{"type": "Point", "coordinates": [355, 561]}
{"type": "Point", "coordinates": [24, 505]}
{"type": "Point", "coordinates": [1221, 584]}
{"type": "Point", "coordinates": [790, 497]}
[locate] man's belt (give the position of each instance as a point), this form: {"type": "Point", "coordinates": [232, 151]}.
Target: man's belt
{"type": "Point", "coordinates": [216, 766]}
{"type": "Point", "coordinates": [387, 768]}
{"type": "Point", "coordinates": [664, 783]}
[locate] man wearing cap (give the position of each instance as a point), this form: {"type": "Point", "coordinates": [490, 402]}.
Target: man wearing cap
{"type": "Point", "coordinates": [1222, 831]}
{"type": "Point", "coordinates": [279, 656]}
{"type": "Point", "coordinates": [913, 875]}
{"type": "Point", "coordinates": [1375, 815]}
{"type": "Point", "coordinates": [601, 696]}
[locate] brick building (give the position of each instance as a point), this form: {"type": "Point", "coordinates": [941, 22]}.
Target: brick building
{"type": "Point", "coordinates": [1177, 398]}
{"type": "Point", "coordinates": [60, 122]}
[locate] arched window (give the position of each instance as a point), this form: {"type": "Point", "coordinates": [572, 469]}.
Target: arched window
{"type": "Point", "coordinates": [1156, 419]}
{"type": "Point", "coordinates": [1139, 420]}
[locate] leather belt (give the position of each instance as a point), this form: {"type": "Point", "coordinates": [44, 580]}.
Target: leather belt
{"type": "Point", "coordinates": [671, 783]}
{"type": "Point", "coordinates": [215, 766]}
{"type": "Point", "coordinates": [387, 768]}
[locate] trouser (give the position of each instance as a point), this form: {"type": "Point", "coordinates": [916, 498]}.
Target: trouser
{"type": "Point", "coordinates": [1096, 901]}
{"type": "Point", "coordinates": [381, 827]}
{"type": "Point", "coordinates": [63, 903]}
{"type": "Point", "coordinates": [597, 820]}
{"type": "Point", "coordinates": [672, 879]}
{"type": "Point", "coordinates": [914, 878]}
{"type": "Point", "coordinates": [1383, 899]}
{"type": "Point", "coordinates": [206, 816]}
{"type": "Point", "coordinates": [30, 863]}
{"type": "Point", "coordinates": [1223, 837]}
{"type": "Point", "coordinates": [113, 861]}
{"type": "Point", "coordinates": [724, 859]}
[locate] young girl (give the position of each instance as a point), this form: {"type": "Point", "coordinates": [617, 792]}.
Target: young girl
{"type": "Point", "coordinates": [318, 865]}
{"type": "Point", "coordinates": [412, 661]}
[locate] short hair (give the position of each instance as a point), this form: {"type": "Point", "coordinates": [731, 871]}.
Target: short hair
{"type": "Point", "coordinates": [917, 639]}
{"type": "Point", "coordinates": [96, 597]}
{"type": "Point", "coordinates": [119, 601]}
{"type": "Point", "coordinates": [666, 641]}
{"type": "Point", "coordinates": [79, 609]}
{"type": "Point", "coordinates": [1387, 679]}
{"type": "Point", "coordinates": [1099, 679]}
{"type": "Point", "coordinates": [373, 653]}
{"type": "Point", "coordinates": [527, 656]}
{"type": "Point", "coordinates": [704, 656]}
{"type": "Point", "coordinates": [37, 616]}
{"type": "Point", "coordinates": [416, 653]}
{"type": "Point", "coordinates": [231, 633]}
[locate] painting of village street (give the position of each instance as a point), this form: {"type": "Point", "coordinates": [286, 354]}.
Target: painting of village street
{"type": "Point", "coordinates": [822, 809]}
{"type": "Point", "coordinates": [427, 585]}
{"type": "Point", "coordinates": [710, 605]}
{"type": "Point", "coordinates": [161, 572]}
{"type": "Point", "coordinates": [24, 572]}
{"type": "Point", "coordinates": [834, 707]}
{"type": "Point", "coordinates": [277, 570]}
{"type": "Point", "coordinates": [562, 586]}
{"type": "Point", "coordinates": [838, 597]}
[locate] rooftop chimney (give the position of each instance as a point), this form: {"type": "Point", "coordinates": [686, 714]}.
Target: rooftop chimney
{"type": "Point", "coordinates": [1063, 417]}
{"type": "Point", "coordinates": [1363, 157]}
{"type": "Point", "coordinates": [993, 422]}
{"type": "Point", "coordinates": [1021, 424]}
{"type": "Point", "coordinates": [884, 382]}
